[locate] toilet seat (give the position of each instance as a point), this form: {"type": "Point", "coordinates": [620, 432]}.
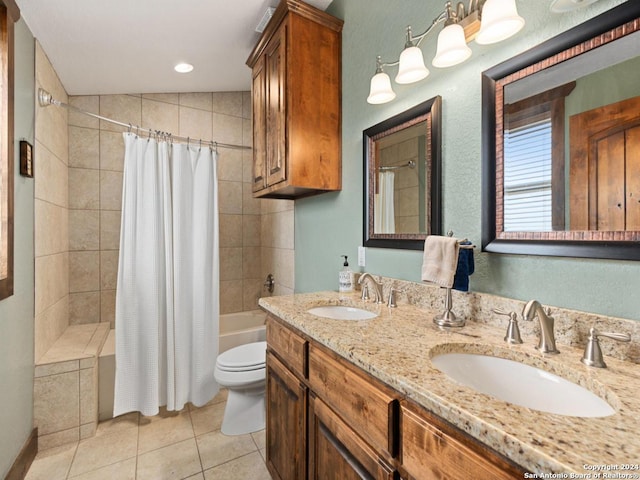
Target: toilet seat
{"type": "Point", "coordinates": [244, 358]}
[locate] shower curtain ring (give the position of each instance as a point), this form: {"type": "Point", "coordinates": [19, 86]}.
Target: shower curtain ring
{"type": "Point", "coordinates": [200, 147]}
{"type": "Point", "coordinates": [188, 141]}
{"type": "Point", "coordinates": [130, 127]}
{"type": "Point", "coordinates": [215, 144]}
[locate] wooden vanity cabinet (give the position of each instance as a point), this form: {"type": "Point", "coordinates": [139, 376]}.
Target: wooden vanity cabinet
{"type": "Point", "coordinates": [296, 97]}
{"type": "Point", "coordinates": [327, 419]}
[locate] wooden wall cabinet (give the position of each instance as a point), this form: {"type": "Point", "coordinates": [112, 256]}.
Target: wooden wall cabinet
{"type": "Point", "coordinates": [328, 419]}
{"type": "Point", "coordinates": [296, 97]}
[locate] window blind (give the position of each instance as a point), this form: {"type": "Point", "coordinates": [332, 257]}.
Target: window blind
{"type": "Point", "coordinates": [527, 177]}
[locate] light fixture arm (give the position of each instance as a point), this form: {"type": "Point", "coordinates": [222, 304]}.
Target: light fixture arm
{"type": "Point", "coordinates": [417, 39]}
{"type": "Point", "coordinates": [380, 64]}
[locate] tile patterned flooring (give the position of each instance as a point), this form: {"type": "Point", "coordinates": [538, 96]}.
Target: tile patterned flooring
{"type": "Point", "coordinates": [170, 446]}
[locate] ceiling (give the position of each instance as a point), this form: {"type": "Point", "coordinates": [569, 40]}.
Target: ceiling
{"type": "Point", "coordinates": [131, 46]}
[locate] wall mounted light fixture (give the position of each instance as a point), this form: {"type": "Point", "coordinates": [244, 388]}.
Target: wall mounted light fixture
{"type": "Point", "coordinates": [485, 21]}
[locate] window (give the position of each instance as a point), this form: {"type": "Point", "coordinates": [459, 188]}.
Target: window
{"type": "Point", "coordinates": [527, 178]}
{"type": "Point", "coordinates": [6, 153]}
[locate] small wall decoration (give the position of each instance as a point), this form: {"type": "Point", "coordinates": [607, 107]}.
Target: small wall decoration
{"type": "Point", "coordinates": [26, 159]}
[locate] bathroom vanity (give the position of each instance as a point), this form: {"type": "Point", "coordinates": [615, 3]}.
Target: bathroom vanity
{"type": "Point", "coordinates": [361, 399]}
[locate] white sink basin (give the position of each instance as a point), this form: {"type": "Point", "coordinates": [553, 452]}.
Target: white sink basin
{"type": "Point", "coordinates": [522, 385]}
{"type": "Point", "coordinates": [340, 312]}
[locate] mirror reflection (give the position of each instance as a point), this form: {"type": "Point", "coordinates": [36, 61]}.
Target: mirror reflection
{"type": "Point", "coordinates": [570, 137]}
{"type": "Point", "coordinates": [402, 185]}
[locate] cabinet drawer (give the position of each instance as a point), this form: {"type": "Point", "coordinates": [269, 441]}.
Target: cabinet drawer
{"type": "Point", "coordinates": [289, 346]}
{"type": "Point", "coordinates": [367, 408]}
{"type": "Point", "coordinates": [430, 451]}
{"type": "Point", "coordinates": [336, 451]}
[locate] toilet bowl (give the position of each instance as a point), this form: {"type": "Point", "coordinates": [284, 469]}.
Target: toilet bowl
{"type": "Point", "coordinates": [242, 371]}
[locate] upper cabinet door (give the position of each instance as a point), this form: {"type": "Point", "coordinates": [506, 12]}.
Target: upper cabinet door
{"type": "Point", "coordinates": [258, 95]}
{"type": "Point", "coordinates": [276, 107]}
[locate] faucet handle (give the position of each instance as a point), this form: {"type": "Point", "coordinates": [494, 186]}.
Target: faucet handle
{"type": "Point", "coordinates": [513, 331]}
{"type": "Point", "coordinates": [592, 356]}
{"type": "Point", "coordinates": [391, 302]}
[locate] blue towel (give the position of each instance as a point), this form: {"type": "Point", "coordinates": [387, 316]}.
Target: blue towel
{"type": "Point", "coordinates": [464, 269]}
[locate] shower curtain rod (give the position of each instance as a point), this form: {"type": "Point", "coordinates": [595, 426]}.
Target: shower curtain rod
{"type": "Point", "coordinates": [45, 99]}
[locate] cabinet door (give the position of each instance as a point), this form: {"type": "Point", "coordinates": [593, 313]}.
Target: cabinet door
{"type": "Point", "coordinates": [259, 102]}
{"type": "Point", "coordinates": [276, 104]}
{"type": "Point", "coordinates": [336, 451]}
{"type": "Point", "coordinates": [286, 423]}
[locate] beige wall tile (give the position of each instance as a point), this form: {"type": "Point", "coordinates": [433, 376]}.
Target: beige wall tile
{"type": "Point", "coordinates": [84, 147]}
{"type": "Point", "coordinates": [195, 124]}
{"type": "Point", "coordinates": [56, 403]}
{"type": "Point", "coordinates": [230, 165]}
{"type": "Point", "coordinates": [88, 103]}
{"type": "Point", "coordinates": [110, 190]}
{"type": "Point", "coordinates": [230, 197]}
{"type": "Point", "coordinates": [108, 269]}
{"type": "Point", "coordinates": [52, 280]}
{"type": "Point", "coordinates": [201, 101]}
{"type": "Point", "coordinates": [51, 177]}
{"type": "Point", "coordinates": [160, 116]}
{"type": "Point", "coordinates": [251, 262]}
{"type": "Point", "coordinates": [49, 325]}
{"type": "Point", "coordinates": [230, 230]}
{"type": "Point", "coordinates": [87, 430]}
{"type": "Point", "coordinates": [251, 230]}
{"type": "Point", "coordinates": [47, 369]}
{"type": "Point", "coordinates": [284, 262]}
{"type": "Point", "coordinates": [47, 76]}
{"type": "Point", "coordinates": [251, 291]}
{"type": "Point", "coordinates": [51, 229]}
{"type": "Point", "coordinates": [84, 271]}
{"type": "Point", "coordinates": [246, 105]}
{"type": "Point", "coordinates": [111, 151]}
{"type": "Point", "coordinates": [228, 103]}
{"type": "Point", "coordinates": [52, 131]}
{"type": "Point", "coordinates": [89, 396]}
{"type": "Point", "coordinates": [163, 97]}
{"type": "Point", "coordinates": [250, 205]}
{"type": "Point", "coordinates": [108, 306]}
{"type": "Point", "coordinates": [84, 308]}
{"type": "Point", "coordinates": [230, 296]}
{"type": "Point", "coordinates": [227, 129]}
{"type": "Point", "coordinates": [84, 230]}
{"type": "Point", "coordinates": [84, 189]}
{"type": "Point", "coordinates": [110, 229]}
{"type": "Point", "coordinates": [247, 166]}
{"type": "Point", "coordinates": [230, 263]}
{"type": "Point", "coordinates": [123, 108]}
{"type": "Point", "coordinates": [283, 229]}
{"type": "Point", "coordinates": [247, 133]}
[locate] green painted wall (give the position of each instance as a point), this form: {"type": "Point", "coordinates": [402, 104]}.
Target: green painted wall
{"type": "Point", "coordinates": [329, 225]}
{"type": "Point", "coordinates": [17, 311]}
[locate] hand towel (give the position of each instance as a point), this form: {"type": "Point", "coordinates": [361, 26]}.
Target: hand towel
{"type": "Point", "coordinates": [465, 268]}
{"type": "Point", "coordinates": [440, 260]}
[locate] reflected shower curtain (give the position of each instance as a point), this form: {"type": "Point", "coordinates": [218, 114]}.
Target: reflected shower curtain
{"type": "Point", "coordinates": [384, 212]}
{"type": "Point", "coordinates": [167, 299]}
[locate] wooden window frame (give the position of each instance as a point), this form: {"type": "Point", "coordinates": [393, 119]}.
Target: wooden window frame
{"type": "Point", "coordinates": [9, 14]}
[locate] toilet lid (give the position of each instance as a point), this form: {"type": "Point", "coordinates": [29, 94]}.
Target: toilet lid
{"type": "Point", "coordinates": [244, 357]}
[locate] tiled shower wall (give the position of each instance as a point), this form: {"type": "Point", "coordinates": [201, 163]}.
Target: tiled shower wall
{"type": "Point", "coordinates": [51, 210]}
{"type": "Point", "coordinates": [96, 151]}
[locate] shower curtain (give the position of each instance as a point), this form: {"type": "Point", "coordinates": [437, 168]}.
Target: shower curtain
{"type": "Point", "coordinates": [167, 299]}
{"type": "Point", "coordinates": [384, 212]}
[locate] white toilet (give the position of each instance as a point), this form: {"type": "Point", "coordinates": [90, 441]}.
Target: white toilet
{"type": "Point", "coordinates": [242, 370]}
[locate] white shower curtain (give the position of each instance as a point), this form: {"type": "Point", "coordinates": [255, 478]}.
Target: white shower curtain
{"type": "Point", "coordinates": [167, 300]}
{"type": "Point", "coordinates": [384, 211]}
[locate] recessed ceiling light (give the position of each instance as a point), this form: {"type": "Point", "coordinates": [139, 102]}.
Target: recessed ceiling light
{"type": "Point", "coordinates": [183, 67]}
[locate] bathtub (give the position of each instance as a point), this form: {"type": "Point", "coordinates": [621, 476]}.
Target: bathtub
{"type": "Point", "coordinates": [235, 329]}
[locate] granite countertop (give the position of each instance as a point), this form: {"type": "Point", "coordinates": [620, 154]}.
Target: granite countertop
{"type": "Point", "coordinates": [397, 346]}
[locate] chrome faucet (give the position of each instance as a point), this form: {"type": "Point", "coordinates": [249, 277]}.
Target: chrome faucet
{"type": "Point", "coordinates": [377, 286]}
{"type": "Point", "coordinates": [547, 342]}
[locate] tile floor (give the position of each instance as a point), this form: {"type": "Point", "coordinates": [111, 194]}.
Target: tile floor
{"type": "Point", "coordinates": [169, 446]}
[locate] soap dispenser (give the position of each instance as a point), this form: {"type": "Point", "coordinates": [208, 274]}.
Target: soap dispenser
{"type": "Point", "coordinates": [345, 277]}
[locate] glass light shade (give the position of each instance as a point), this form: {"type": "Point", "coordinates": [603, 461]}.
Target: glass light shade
{"type": "Point", "coordinates": [380, 91]}
{"type": "Point", "coordinates": [500, 20]}
{"type": "Point", "coordinates": [452, 47]}
{"type": "Point", "coordinates": [411, 68]}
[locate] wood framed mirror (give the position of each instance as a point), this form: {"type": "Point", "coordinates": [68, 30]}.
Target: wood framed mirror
{"type": "Point", "coordinates": [402, 179]}
{"type": "Point", "coordinates": [561, 144]}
